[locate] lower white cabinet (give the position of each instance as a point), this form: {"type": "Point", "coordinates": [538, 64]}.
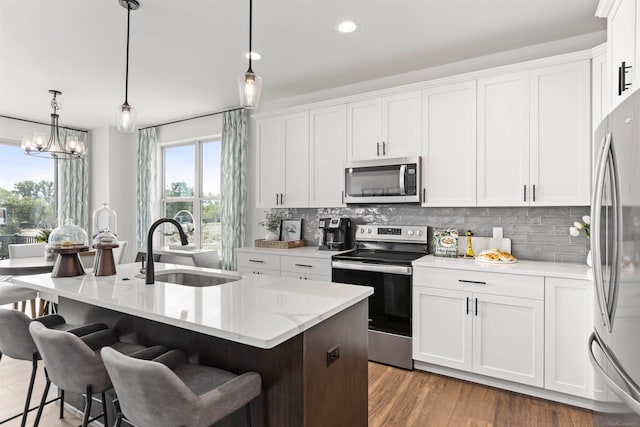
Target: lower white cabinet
{"type": "Point", "coordinates": [569, 322]}
{"type": "Point", "coordinates": [464, 320]}
{"type": "Point", "coordinates": [297, 266]}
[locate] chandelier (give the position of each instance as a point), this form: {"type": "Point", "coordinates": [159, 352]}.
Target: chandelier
{"type": "Point", "coordinates": [37, 145]}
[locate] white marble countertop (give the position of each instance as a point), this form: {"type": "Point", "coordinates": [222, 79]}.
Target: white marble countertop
{"type": "Point", "coordinates": [529, 268]}
{"type": "Point", "coordinates": [258, 310]}
{"type": "Point", "coordinates": [306, 251]}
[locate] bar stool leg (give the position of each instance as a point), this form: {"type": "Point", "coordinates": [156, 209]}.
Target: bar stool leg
{"type": "Point", "coordinates": [32, 305]}
{"type": "Point", "coordinates": [118, 411]}
{"type": "Point", "coordinates": [104, 409]}
{"type": "Point", "coordinates": [61, 403]}
{"type": "Point", "coordinates": [34, 368]}
{"type": "Point", "coordinates": [87, 407]}
{"type": "Point", "coordinates": [42, 401]}
{"type": "Point", "coordinates": [248, 412]}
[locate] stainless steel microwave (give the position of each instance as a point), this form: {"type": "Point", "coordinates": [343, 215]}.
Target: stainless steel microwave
{"type": "Point", "coordinates": [395, 180]}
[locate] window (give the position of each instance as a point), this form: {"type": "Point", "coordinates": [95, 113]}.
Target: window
{"type": "Point", "coordinates": [191, 192]}
{"type": "Point", "coordinates": [27, 194]}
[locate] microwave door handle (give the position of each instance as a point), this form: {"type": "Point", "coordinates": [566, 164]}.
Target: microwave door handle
{"type": "Point", "coordinates": [403, 169]}
{"type": "Point", "coordinates": [614, 284]}
{"type": "Point", "coordinates": [596, 207]}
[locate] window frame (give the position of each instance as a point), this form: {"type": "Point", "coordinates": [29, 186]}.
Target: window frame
{"type": "Point", "coordinates": [198, 197]}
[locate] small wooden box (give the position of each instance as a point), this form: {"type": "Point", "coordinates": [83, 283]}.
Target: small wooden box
{"type": "Point", "coordinates": [279, 244]}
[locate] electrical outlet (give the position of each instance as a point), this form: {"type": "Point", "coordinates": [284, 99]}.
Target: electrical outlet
{"type": "Point", "coordinates": [497, 232]}
{"type": "Point", "coordinates": [333, 354]}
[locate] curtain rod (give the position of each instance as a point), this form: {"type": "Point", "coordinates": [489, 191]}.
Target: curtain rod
{"type": "Point", "coordinates": [42, 123]}
{"type": "Point", "coordinates": [191, 118]}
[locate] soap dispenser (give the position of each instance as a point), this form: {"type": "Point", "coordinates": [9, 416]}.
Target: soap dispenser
{"type": "Point", "coordinates": [469, 253]}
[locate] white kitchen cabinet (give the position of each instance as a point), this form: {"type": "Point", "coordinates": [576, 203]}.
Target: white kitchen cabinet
{"type": "Point", "coordinates": [486, 323]}
{"type": "Point", "coordinates": [303, 263]}
{"type": "Point", "coordinates": [503, 140]}
{"type": "Point", "coordinates": [328, 152]}
{"type": "Point", "coordinates": [384, 127]}
{"type": "Point", "coordinates": [306, 268]}
{"type": "Point", "coordinates": [560, 139]}
{"type": "Point", "coordinates": [534, 144]}
{"type": "Point", "coordinates": [282, 178]}
{"type": "Point", "coordinates": [449, 145]}
{"type": "Point", "coordinates": [569, 312]}
{"type": "Point", "coordinates": [258, 263]}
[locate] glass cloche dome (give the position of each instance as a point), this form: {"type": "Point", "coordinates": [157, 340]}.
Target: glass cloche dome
{"type": "Point", "coordinates": [104, 219]}
{"type": "Point", "coordinates": [68, 236]}
{"type": "Point", "coordinates": [105, 238]}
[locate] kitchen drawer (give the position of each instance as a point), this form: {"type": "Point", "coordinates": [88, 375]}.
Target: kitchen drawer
{"type": "Point", "coordinates": [258, 270]}
{"type": "Point", "coordinates": [258, 261]}
{"type": "Point", "coordinates": [514, 285]}
{"type": "Point", "coordinates": [319, 277]}
{"type": "Point", "coordinates": [306, 265]}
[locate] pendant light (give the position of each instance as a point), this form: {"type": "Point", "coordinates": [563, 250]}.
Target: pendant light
{"type": "Point", "coordinates": [249, 83]}
{"type": "Point", "coordinates": [126, 113]}
{"type": "Point", "coordinates": [35, 145]}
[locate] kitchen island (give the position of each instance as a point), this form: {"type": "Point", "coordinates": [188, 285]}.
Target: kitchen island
{"type": "Point", "coordinates": [307, 339]}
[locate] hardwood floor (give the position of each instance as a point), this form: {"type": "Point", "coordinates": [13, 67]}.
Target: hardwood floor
{"type": "Point", "coordinates": [396, 398]}
{"type": "Point", "coordinates": [415, 398]}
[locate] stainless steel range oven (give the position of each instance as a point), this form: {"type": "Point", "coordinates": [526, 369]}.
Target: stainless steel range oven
{"type": "Point", "coordinates": [382, 259]}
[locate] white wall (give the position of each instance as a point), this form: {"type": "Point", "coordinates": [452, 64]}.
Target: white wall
{"type": "Point", "coordinates": [14, 130]}
{"type": "Point", "coordinates": [113, 179]}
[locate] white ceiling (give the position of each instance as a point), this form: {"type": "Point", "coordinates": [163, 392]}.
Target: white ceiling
{"type": "Point", "coordinates": [186, 55]}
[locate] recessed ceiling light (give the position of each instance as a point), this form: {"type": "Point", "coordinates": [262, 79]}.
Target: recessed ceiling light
{"type": "Point", "coordinates": [254, 56]}
{"type": "Point", "coordinates": [347, 27]}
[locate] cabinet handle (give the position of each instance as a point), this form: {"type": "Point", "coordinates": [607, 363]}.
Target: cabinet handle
{"type": "Point", "coordinates": [622, 74]}
{"type": "Point", "coordinates": [276, 199]}
{"type": "Point", "coordinates": [377, 148]}
{"type": "Point", "coordinates": [534, 192]}
{"type": "Point", "coordinates": [472, 282]}
{"type": "Point", "coordinates": [424, 195]}
{"type": "Point", "coordinates": [476, 306]}
{"type": "Point", "coordinates": [525, 192]}
{"type": "Point", "coordinates": [257, 260]}
{"type": "Point", "coordinates": [342, 197]}
{"type": "Point", "coordinates": [281, 196]}
{"type": "Point", "coordinates": [304, 265]}
{"type": "Point", "coordinates": [384, 151]}
{"type": "Point", "coordinates": [467, 305]}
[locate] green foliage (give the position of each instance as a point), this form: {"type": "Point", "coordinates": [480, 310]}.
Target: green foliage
{"type": "Point", "coordinates": [30, 202]}
{"type": "Point", "coordinates": [43, 235]}
{"type": "Point", "coordinates": [178, 189]}
{"type": "Point", "coordinates": [271, 221]}
{"type": "Point", "coordinates": [11, 227]}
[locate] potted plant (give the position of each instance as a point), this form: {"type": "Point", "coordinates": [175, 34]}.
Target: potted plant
{"type": "Point", "coordinates": [272, 224]}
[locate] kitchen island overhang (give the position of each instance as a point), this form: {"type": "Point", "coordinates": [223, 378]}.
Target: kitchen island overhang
{"type": "Point", "coordinates": [282, 328]}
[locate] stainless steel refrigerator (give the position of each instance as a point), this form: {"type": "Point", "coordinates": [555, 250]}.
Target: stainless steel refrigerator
{"type": "Point", "coordinates": [614, 346]}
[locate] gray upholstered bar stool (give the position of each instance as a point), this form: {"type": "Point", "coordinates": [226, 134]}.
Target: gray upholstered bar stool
{"type": "Point", "coordinates": [168, 391]}
{"type": "Point", "coordinates": [74, 364]}
{"type": "Point", "coordinates": [16, 342]}
{"type": "Point", "coordinates": [12, 294]}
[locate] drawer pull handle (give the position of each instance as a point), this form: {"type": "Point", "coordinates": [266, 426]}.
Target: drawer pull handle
{"type": "Point", "coordinates": [304, 265]}
{"type": "Point", "coordinates": [257, 260]}
{"type": "Point", "coordinates": [476, 306]}
{"type": "Point", "coordinates": [472, 281]}
{"type": "Point", "coordinates": [467, 305]}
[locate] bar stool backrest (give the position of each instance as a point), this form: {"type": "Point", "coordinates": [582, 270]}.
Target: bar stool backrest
{"type": "Point", "coordinates": [26, 250]}
{"type": "Point", "coordinates": [15, 340]}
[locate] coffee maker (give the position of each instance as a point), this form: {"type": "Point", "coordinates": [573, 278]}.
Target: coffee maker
{"type": "Point", "coordinates": [336, 234]}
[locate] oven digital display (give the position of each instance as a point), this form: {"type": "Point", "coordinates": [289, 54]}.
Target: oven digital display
{"type": "Point", "coordinates": [390, 230]}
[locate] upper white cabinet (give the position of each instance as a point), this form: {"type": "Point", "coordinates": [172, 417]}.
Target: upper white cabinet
{"type": "Point", "coordinates": [503, 140]}
{"type": "Point", "coordinates": [449, 145]}
{"type": "Point", "coordinates": [283, 161]}
{"type": "Point", "coordinates": [384, 127]}
{"type": "Point", "coordinates": [328, 152]}
{"type": "Point", "coordinates": [534, 137]}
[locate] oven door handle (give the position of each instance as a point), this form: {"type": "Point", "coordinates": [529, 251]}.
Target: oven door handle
{"type": "Point", "coordinates": [376, 268]}
{"type": "Point", "coordinates": [403, 171]}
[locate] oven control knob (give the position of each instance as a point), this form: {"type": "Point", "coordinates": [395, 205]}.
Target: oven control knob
{"type": "Point", "coordinates": [419, 232]}
{"type": "Point", "coordinates": [410, 232]}
{"type": "Point", "coordinates": [362, 230]}
{"type": "Point", "coordinates": [369, 230]}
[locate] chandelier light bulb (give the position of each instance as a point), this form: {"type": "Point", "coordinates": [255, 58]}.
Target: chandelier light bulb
{"type": "Point", "coordinates": [250, 87]}
{"type": "Point", "coordinates": [39, 140]}
{"type": "Point", "coordinates": [27, 143]}
{"type": "Point", "coordinates": [126, 118]}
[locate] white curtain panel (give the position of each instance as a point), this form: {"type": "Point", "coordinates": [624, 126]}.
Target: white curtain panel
{"type": "Point", "coordinates": [145, 183]}
{"type": "Point", "coordinates": [233, 184]}
{"type": "Point", "coordinates": [73, 184]}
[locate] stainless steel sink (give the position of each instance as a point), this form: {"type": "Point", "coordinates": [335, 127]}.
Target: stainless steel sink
{"type": "Point", "coordinates": [194, 279]}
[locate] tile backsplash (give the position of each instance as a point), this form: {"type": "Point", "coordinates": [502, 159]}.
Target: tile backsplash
{"type": "Point", "coordinates": [536, 233]}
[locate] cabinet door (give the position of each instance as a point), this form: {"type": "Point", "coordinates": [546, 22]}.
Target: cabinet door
{"type": "Point", "coordinates": [328, 152]}
{"type": "Point", "coordinates": [621, 38]}
{"type": "Point", "coordinates": [449, 145]}
{"type": "Point", "coordinates": [295, 149]}
{"type": "Point", "coordinates": [508, 338]}
{"type": "Point", "coordinates": [442, 327]}
{"type": "Point", "coordinates": [503, 140]}
{"type": "Point", "coordinates": [568, 323]}
{"type": "Point", "coordinates": [269, 162]}
{"type": "Point", "coordinates": [401, 123]}
{"type": "Point", "coordinates": [364, 129]}
{"type": "Point", "coordinates": [560, 154]}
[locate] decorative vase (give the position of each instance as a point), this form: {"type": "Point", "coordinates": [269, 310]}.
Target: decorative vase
{"type": "Point", "coordinates": [272, 235]}
{"type": "Point", "coordinates": [589, 259]}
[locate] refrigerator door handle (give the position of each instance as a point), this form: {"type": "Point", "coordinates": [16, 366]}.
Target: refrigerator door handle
{"type": "Point", "coordinates": [596, 227]}
{"type": "Point", "coordinates": [614, 280]}
{"type": "Point", "coordinates": [633, 401]}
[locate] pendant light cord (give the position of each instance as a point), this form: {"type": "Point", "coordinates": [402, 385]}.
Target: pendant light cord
{"type": "Point", "coordinates": [250, 27]}
{"type": "Point", "coordinates": [126, 78]}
